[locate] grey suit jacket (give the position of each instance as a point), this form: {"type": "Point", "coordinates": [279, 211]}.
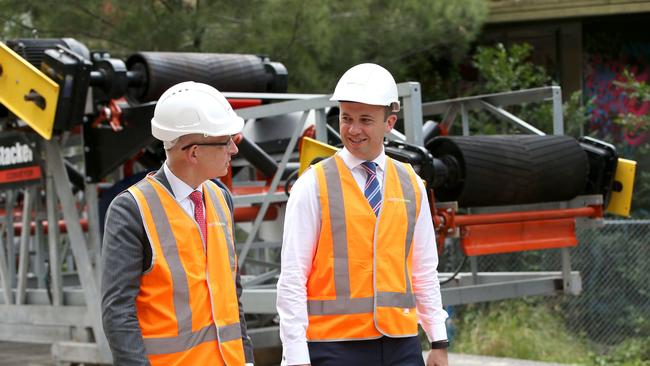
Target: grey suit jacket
{"type": "Point", "coordinates": [126, 255]}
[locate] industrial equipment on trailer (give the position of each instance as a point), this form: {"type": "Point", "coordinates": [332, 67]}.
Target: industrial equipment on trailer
{"type": "Point", "coordinates": [75, 132]}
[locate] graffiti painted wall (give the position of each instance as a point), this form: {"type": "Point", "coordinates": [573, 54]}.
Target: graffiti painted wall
{"type": "Point", "coordinates": [605, 59]}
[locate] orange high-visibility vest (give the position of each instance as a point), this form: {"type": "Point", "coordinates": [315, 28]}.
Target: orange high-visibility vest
{"type": "Point", "coordinates": [359, 286]}
{"type": "Point", "coordinates": [187, 306]}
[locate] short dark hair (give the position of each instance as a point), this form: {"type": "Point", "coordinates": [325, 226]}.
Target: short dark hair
{"type": "Point", "coordinates": [388, 110]}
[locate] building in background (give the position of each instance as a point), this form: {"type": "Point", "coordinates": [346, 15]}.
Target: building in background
{"type": "Point", "coordinates": [585, 45]}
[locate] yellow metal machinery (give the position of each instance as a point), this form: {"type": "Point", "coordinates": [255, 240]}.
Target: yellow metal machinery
{"type": "Point", "coordinates": [620, 202]}
{"type": "Point", "coordinates": [29, 93]}
{"type": "Point", "coordinates": [311, 150]}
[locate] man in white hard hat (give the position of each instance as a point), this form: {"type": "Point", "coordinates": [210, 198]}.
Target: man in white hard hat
{"type": "Point", "coordinates": [170, 283]}
{"type": "Point", "coordinates": [358, 254]}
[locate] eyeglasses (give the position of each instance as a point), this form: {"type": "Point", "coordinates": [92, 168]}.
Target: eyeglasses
{"type": "Point", "coordinates": [225, 143]}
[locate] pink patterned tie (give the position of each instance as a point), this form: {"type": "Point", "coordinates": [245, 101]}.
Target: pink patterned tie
{"type": "Point", "coordinates": [199, 215]}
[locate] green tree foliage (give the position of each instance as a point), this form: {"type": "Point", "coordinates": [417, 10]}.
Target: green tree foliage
{"type": "Point", "coordinates": [316, 40]}
{"type": "Point", "coordinates": [504, 69]}
{"type": "Point", "coordinates": [639, 91]}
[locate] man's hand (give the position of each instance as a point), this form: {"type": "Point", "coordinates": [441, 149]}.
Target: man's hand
{"type": "Point", "coordinates": [437, 357]}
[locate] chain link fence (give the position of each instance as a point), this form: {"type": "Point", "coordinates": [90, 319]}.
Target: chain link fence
{"type": "Point", "coordinates": [614, 263]}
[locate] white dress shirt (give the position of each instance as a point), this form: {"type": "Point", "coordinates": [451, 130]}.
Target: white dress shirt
{"type": "Point", "coordinates": [182, 191]}
{"type": "Point", "coordinates": [302, 225]}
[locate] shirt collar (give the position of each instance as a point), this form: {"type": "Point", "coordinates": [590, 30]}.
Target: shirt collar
{"type": "Point", "coordinates": [352, 161]}
{"type": "Point", "coordinates": [180, 189]}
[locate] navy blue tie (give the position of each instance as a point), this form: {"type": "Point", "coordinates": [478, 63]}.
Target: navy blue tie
{"type": "Point", "coordinates": [372, 190]}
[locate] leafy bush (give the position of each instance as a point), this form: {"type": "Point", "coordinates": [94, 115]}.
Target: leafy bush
{"type": "Point", "coordinates": [504, 69]}
{"type": "Point", "coordinates": [633, 352]}
{"type": "Point", "coordinates": [519, 329]}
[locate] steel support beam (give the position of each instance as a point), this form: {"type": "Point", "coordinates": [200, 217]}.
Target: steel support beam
{"type": "Point", "coordinates": [248, 199]}
{"type": "Point", "coordinates": [412, 98]}
{"type": "Point", "coordinates": [10, 200]}
{"type": "Point", "coordinates": [33, 296]}
{"type": "Point", "coordinates": [272, 188]}
{"type": "Point", "coordinates": [45, 315]}
{"type": "Point", "coordinates": [491, 286]}
{"type": "Point", "coordinates": [558, 113]}
{"type": "Point", "coordinates": [94, 241]}
{"type": "Point", "coordinates": [56, 288]}
{"type": "Point", "coordinates": [265, 337]}
{"type": "Point", "coordinates": [505, 115]}
{"type": "Point", "coordinates": [501, 99]}
{"type": "Point", "coordinates": [501, 291]}
{"type": "Point", "coordinates": [23, 254]}
{"type": "Point", "coordinates": [321, 125]}
{"type": "Point", "coordinates": [78, 244]}
{"type": "Point", "coordinates": [5, 276]}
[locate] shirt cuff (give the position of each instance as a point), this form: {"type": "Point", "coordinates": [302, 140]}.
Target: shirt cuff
{"type": "Point", "coordinates": [295, 354]}
{"type": "Point", "coordinates": [249, 364]}
{"type": "Point", "coordinates": [438, 332]}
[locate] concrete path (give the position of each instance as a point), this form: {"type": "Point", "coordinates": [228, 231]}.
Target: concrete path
{"type": "Point", "coordinates": [26, 354]}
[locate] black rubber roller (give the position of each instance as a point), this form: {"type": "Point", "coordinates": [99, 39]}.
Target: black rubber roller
{"type": "Point", "coordinates": [511, 169]}
{"type": "Point", "coordinates": [226, 72]}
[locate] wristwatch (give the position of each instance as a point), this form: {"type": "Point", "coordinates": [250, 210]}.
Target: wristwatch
{"type": "Point", "coordinates": [440, 344]}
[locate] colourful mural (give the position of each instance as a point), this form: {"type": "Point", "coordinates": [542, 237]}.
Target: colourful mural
{"type": "Point", "coordinates": [610, 100]}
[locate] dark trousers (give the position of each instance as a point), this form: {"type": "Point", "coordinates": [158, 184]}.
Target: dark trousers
{"type": "Point", "coordinates": [384, 351]}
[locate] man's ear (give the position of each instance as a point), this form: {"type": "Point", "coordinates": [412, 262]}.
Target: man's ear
{"type": "Point", "coordinates": [191, 154]}
{"type": "Point", "coordinates": [390, 122]}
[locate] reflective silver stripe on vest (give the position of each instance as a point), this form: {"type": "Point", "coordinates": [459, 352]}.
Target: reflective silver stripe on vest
{"type": "Point", "coordinates": [226, 230]}
{"type": "Point", "coordinates": [230, 332]}
{"type": "Point", "coordinates": [340, 306]}
{"type": "Point", "coordinates": [339, 231]}
{"type": "Point", "coordinates": [360, 305]}
{"type": "Point", "coordinates": [159, 346]}
{"type": "Point", "coordinates": [343, 304]}
{"type": "Point", "coordinates": [411, 208]}
{"type": "Point", "coordinates": [170, 251]}
{"type": "Point", "coordinates": [180, 343]}
{"type": "Point", "coordinates": [396, 299]}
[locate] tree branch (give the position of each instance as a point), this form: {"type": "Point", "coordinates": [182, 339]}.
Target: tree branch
{"type": "Point", "coordinates": [296, 25]}
{"type": "Point", "coordinates": [167, 5]}
{"type": "Point", "coordinates": [94, 16]}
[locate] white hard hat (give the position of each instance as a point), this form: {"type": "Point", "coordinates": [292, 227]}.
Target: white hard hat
{"type": "Point", "coordinates": [191, 107]}
{"type": "Point", "coordinates": [368, 84]}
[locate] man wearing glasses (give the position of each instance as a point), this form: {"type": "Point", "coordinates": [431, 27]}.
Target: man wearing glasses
{"type": "Point", "coordinates": [170, 283]}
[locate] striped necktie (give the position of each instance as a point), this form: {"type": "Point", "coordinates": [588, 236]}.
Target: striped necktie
{"type": "Point", "coordinates": [372, 190]}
